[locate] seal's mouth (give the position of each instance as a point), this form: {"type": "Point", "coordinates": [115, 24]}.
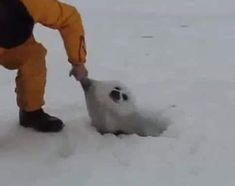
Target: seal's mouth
{"type": "Point", "coordinates": [86, 84]}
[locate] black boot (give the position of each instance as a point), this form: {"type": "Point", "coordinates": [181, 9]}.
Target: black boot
{"type": "Point", "coordinates": [40, 121]}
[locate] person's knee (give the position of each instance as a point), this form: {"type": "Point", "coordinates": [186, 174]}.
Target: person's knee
{"type": "Point", "coordinates": [35, 64]}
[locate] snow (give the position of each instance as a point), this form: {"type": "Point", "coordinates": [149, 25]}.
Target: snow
{"type": "Point", "coordinates": [168, 52]}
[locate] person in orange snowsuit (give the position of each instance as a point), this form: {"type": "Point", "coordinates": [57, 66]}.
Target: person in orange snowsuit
{"type": "Point", "coordinates": [19, 50]}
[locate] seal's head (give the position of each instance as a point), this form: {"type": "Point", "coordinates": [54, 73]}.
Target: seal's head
{"type": "Point", "coordinates": [110, 95]}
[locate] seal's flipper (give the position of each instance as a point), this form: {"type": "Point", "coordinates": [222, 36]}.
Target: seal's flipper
{"type": "Point", "coordinates": [86, 84]}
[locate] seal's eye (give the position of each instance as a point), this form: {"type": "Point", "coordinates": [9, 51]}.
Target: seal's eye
{"type": "Point", "coordinates": [117, 88]}
{"type": "Point", "coordinates": [125, 97]}
{"type": "Point", "coordinates": [115, 95]}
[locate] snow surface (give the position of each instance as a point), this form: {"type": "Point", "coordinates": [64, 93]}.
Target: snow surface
{"type": "Point", "coordinates": [168, 52]}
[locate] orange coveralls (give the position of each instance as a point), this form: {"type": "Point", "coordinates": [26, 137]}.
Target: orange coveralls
{"type": "Point", "coordinates": [29, 58]}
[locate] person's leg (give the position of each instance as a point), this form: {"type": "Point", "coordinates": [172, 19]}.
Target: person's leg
{"type": "Point", "coordinates": [31, 77]}
{"type": "Point", "coordinates": [29, 59]}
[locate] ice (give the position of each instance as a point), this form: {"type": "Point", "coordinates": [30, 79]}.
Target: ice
{"type": "Point", "coordinates": [167, 52]}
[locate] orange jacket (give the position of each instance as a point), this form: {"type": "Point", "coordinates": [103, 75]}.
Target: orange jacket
{"type": "Point", "coordinates": [66, 19]}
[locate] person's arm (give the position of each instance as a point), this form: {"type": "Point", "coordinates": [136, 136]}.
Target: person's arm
{"type": "Point", "coordinates": [67, 20]}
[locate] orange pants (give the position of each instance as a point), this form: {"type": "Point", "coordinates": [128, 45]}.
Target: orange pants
{"type": "Point", "coordinates": [29, 60]}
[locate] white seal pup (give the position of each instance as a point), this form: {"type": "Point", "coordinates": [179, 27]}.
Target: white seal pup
{"type": "Point", "coordinates": [112, 109]}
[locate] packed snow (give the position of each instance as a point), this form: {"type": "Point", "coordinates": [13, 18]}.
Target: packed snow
{"type": "Point", "coordinates": [177, 57]}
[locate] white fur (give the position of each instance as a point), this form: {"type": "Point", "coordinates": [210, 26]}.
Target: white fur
{"type": "Point", "coordinates": [122, 108]}
{"type": "Point", "coordinates": [109, 116]}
